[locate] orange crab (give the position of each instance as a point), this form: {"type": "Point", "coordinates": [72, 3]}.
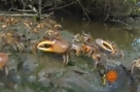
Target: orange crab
{"type": "Point", "coordinates": [89, 48]}
{"type": "Point", "coordinates": [57, 46]}
{"type": "Point", "coordinates": [92, 51]}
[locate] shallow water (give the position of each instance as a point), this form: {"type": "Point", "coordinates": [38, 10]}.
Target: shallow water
{"type": "Point", "coordinates": [122, 37]}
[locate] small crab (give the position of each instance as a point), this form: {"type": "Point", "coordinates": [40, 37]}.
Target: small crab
{"type": "Point", "coordinates": [57, 46]}
{"type": "Point", "coordinates": [11, 38]}
{"type": "Point", "coordinates": [92, 51]}
{"type": "Point", "coordinates": [76, 45]}
{"type": "Point", "coordinates": [83, 37]}
{"type": "Point", "coordinates": [86, 37]}
{"type": "Point", "coordinates": [136, 63]}
{"type": "Point", "coordinates": [54, 32]}
{"type": "Point", "coordinates": [10, 21]}
{"type": "Point", "coordinates": [109, 47]}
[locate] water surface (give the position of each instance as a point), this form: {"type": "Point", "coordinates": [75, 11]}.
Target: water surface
{"type": "Point", "coordinates": [100, 30]}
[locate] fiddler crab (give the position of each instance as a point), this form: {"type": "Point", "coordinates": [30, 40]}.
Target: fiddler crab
{"type": "Point", "coordinates": [109, 47]}
{"type": "Point", "coordinates": [136, 63]}
{"type": "Point", "coordinates": [54, 32]}
{"type": "Point", "coordinates": [79, 43]}
{"type": "Point", "coordinates": [11, 38]}
{"type": "Point", "coordinates": [57, 46]}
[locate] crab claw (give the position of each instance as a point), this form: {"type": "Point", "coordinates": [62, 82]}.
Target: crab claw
{"type": "Point", "coordinates": [43, 45]}
{"type": "Point", "coordinates": [104, 45]}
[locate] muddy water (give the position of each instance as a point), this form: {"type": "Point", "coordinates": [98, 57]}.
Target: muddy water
{"type": "Point", "coordinates": [122, 37]}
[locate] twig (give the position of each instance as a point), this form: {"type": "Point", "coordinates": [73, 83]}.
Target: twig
{"type": "Point", "coordinates": [84, 10]}
{"type": "Point", "coordinates": [27, 11]}
{"type": "Point", "coordinates": [24, 15]}
{"type": "Point", "coordinates": [57, 8]}
{"type": "Point", "coordinates": [40, 8]}
{"type": "Point", "coordinates": [113, 20]}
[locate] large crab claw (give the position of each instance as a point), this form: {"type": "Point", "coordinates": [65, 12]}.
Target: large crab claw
{"type": "Point", "coordinates": [43, 46]}
{"type": "Point", "coordinates": [104, 44]}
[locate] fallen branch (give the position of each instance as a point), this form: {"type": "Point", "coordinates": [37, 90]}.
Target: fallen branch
{"type": "Point", "coordinates": [118, 21]}
{"type": "Point", "coordinates": [25, 15]}
{"type": "Point", "coordinates": [57, 8]}
{"type": "Point", "coordinates": [19, 10]}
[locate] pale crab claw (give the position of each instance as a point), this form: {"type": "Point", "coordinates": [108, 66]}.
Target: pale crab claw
{"type": "Point", "coordinates": [104, 45]}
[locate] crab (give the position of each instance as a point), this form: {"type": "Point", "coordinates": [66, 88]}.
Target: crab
{"type": "Point", "coordinates": [109, 48]}
{"type": "Point", "coordinates": [79, 43]}
{"type": "Point", "coordinates": [57, 46]}
{"type": "Point", "coordinates": [76, 45]}
{"type": "Point", "coordinates": [86, 37]}
{"type": "Point", "coordinates": [54, 32]}
{"type": "Point", "coordinates": [136, 63]}
{"type": "Point", "coordinates": [83, 37]}
{"type": "Point", "coordinates": [12, 39]}
{"type": "Point", "coordinates": [92, 51]}
{"type": "Point", "coordinates": [10, 21]}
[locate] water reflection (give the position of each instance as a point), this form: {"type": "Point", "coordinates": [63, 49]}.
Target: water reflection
{"type": "Point", "coordinates": [106, 31]}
